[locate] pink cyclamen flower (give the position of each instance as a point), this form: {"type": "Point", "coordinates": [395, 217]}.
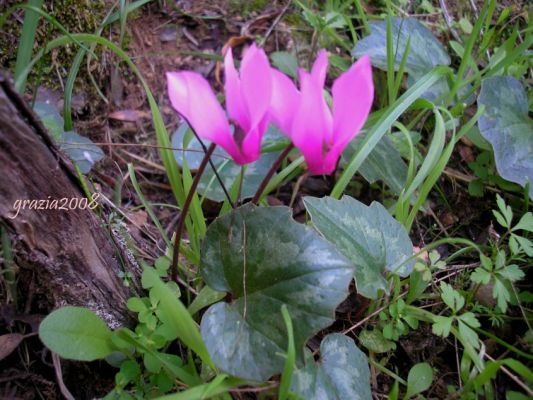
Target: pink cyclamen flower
{"type": "Point", "coordinates": [304, 116]}
{"type": "Point", "coordinates": [248, 98]}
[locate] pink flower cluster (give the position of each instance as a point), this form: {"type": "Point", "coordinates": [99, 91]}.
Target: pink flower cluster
{"type": "Point", "coordinates": [259, 94]}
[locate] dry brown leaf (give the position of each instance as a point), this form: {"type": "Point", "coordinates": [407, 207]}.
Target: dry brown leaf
{"type": "Point", "coordinates": [8, 343]}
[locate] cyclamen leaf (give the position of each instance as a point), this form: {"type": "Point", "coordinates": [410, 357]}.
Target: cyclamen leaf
{"type": "Point", "coordinates": [368, 235]}
{"type": "Point", "coordinates": [383, 163]}
{"type": "Point", "coordinates": [342, 373]}
{"type": "Point", "coordinates": [507, 126]}
{"type": "Point", "coordinates": [285, 62]}
{"type": "Point", "coordinates": [50, 118]}
{"type": "Point", "coordinates": [264, 259]}
{"type": "Point", "coordinates": [425, 52]}
{"type": "Point", "coordinates": [79, 148]}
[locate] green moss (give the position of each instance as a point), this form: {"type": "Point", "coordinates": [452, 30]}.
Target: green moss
{"type": "Point", "coordinates": [247, 7]}
{"type": "Point", "coordinates": [76, 16]}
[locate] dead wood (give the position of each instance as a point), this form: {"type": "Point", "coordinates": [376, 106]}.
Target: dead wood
{"type": "Point", "coordinates": [69, 252]}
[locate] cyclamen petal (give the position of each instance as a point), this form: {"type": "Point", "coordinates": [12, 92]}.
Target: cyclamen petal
{"type": "Point", "coordinates": [320, 67]}
{"type": "Point", "coordinates": [235, 102]}
{"type": "Point", "coordinates": [312, 126]}
{"type": "Point", "coordinates": [320, 134]}
{"type": "Point", "coordinates": [353, 94]}
{"type": "Point", "coordinates": [248, 100]}
{"type": "Point", "coordinates": [256, 84]}
{"type": "Point", "coordinates": [285, 101]}
{"type": "Point", "coordinates": [191, 95]}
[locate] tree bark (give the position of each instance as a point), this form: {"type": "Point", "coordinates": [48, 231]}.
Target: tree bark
{"type": "Point", "coordinates": [69, 253]}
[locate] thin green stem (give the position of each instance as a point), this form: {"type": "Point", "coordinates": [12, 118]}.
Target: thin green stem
{"type": "Point", "coordinates": [219, 179]}
{"type": "Point", "coordinates": [270, 173]}
{"type": "Point", "coordinates": [185, 209]}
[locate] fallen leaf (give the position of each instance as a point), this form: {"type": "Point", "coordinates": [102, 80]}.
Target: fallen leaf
{"type": "Point", "coordinates": [8, 343]}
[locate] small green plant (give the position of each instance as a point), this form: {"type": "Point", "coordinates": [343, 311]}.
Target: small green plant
{"type": "Point", "coordinates": [466, 321]}
{"type": "Point", "coordinates": [398, 321]}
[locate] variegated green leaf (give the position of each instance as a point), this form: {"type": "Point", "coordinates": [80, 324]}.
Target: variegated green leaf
{"type": "Point", "coordinates": [368, 235]}
{"type": "Point", "coordinates": [263, 259]}
{"type": "Point", "coordinates": [342, 373]}
{"type": "Point", "coordinates": [508, 127]}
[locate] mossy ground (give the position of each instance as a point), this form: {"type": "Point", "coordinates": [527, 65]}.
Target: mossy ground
{"type": "Point", "coordinates": [76, 16]}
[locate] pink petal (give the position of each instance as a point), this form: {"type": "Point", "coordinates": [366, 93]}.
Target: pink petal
{"type": "Point", "coordinates": [235, 102]}
{"type": "Point", "coordinates": [329, 162]}
{"type": "Point", "coordinates": [320, 67]}
{"type": "Point", "coordinates": [284, 103]}
{"type": "Point", "coordinates": [353, 93]}
{"type": "Point", "coordinates": [192, 97]}
{"type": "Point", "coordinates": [251, 145]}
{"type": "Point", "coordinates": [312, 123]}
{"type": "Point", "coordinates": [256, 84]}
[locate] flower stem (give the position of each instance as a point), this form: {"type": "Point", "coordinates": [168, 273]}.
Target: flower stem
{"type": "Point", "coordinates": [270, 173]}
{"type": "Point", "coordinates": [219, 179]}
{"type": "Point", "coordinates": [185, 210]}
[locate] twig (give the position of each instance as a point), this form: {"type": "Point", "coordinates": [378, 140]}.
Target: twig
{"type": "Point", "coordinates": [458, 363]}
{"type": "Point", "coordinates": [526, 388]}
{"type": "Point", "coordinates": [59, 375]}
{"type": "Point", "coordinates": [276, 21]}
{"type": "Point", "coordinates": [219, 179]}
{"type": "Point", "coordinates": [297, 186]}
{"type": "Point", "coordinates": [185, 209]}
{"type": "Point", "coordinates": [449, 20]}
{"type": "Point", "coordinates": [270, 173]}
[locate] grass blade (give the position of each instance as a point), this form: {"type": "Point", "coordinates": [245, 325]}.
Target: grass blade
{"type": "Point", "coordinates": [387, 119]}
{"type": "Point", "coordinates": [27, 38]}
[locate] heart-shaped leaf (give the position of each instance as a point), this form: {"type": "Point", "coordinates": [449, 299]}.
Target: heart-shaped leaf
{"type": "Point", "coordinates": [76, 333]}
{"type": "Point", "coordinates": [264, 259]}
{"type": "Point", "coordinates": [383, 163]}
{"type": "Point", "coordinates": [285, 62]}
{"type": "Point", "coordinates": [507, 126]}
{"type": "Point", "coordinates": [228, 171]}
{"type": "Point", "coordinates": [368, 235]}
{"type": "Point", "coordinates": [79, 148]}
{"type": "Point", "coordinates": [425, 51]}
{"type": "Point", "coordinates": [50, 118]}
{"type": "Point", "coordinates": [342, 374]}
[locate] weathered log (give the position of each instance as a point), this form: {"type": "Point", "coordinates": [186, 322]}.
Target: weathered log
{"type": "Point", "coordinates": [69, 252]}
